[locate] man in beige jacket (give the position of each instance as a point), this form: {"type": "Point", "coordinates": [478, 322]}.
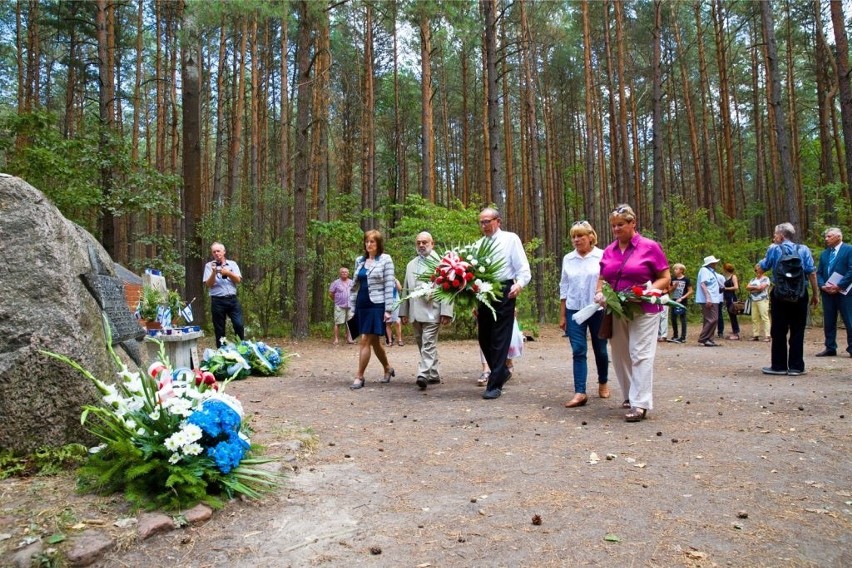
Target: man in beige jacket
{"type": "Point", "coordinates": [425, 314]}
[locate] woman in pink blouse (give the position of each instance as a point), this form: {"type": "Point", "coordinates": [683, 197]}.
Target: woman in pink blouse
{"type": "Point", "coordinates": [633, 260]}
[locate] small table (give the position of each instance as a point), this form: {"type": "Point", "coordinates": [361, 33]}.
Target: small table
{"type": "Point", "coordinates": [181, 348]}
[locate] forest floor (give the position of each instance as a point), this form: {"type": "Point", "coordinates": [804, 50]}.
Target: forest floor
{"type": "Point", "coordinates": [732, 468]}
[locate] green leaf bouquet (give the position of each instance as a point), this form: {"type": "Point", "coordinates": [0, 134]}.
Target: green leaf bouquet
{"type": "Point", "coordinates": [169, 439]}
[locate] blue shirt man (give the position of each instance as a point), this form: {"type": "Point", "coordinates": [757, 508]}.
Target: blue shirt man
{"type": "Point", "coordinates": [788, 317]}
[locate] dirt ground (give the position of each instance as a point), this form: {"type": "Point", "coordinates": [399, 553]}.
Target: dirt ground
{"type": "Point", "coordinates": [732, 468]}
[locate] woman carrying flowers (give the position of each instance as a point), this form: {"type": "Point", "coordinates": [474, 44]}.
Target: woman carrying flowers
{"type": "Point", "coordinates": [630, 263]}
{"type": "Point", "coordinates": [373, 302]}
{"type": "Point", "coordinates": [580, 273]}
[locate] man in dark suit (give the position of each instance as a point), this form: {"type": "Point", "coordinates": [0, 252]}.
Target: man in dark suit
{"type": "Point", "coordinates": [834, 276]}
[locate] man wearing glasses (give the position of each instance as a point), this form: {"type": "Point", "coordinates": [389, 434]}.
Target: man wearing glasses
{"type": "Point", "coordinates": [495, 335]}
{"type": "Point", "coordinates": [425, 313]}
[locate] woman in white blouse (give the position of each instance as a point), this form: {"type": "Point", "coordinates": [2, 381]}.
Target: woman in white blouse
{"type": "Point", "coordinates": [580, 271]}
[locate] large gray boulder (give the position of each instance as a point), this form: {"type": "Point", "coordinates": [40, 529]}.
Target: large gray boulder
{"type": "Point", "coordinates": [44, 305]}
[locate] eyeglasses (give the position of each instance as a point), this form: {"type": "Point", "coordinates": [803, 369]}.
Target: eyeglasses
{"type": "Point", "coordinates": [486, 221]}
{"type": "Point", "coordinates": [582, 223]}
{"type": "Point", "coordinates": [620, 210]}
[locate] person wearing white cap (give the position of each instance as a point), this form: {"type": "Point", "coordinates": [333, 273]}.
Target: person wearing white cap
{"type": "Point", "coordinates": [708, 296]}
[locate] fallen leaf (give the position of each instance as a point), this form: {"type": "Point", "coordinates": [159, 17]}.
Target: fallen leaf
{"type": "Point", "coordinates": [612, 538]}
{"type": "Point", "coordinates": [55, 538]}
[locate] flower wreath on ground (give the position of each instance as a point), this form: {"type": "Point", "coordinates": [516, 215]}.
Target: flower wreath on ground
{"type": "Point", "coordinates": [170, 438]}
{"type": "Point", "coordinates": [463, 276]}
{"type": "Point", "coordinates": [626, 303]}
{"type": "Point", "coordinates": [243, 359]}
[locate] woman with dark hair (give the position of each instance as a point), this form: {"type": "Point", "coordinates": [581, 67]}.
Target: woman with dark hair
{"type": "Point", "coordinates": [633, 260]}
{"type": "Point", "coordinates": [371, 298]}
{"type": "Point", "coordinates": [729, 295]}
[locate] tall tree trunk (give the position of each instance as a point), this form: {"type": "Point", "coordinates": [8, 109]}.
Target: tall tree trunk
{"type": "Point", "coordinates": [106, 99]}
{"type": "Point", "coordinates": [303, 166]}
{"type": "Point", "coordinates": [706, 191]}
{"type": "Point", "coordinates": [726, 177]}
{"type": "Point", "coordinates": [794, 120]}
{"type": "Point", "coordinates": [237, 113]}
{"type": "Point", "coordinates": [192, 213]}
{"type": "Point", "coordinates": [617, 172]}
{"type": "Point", "coordinates": [825, 99]}
{"type": "Point", "coordinates": [780, 120]}
{"type": "Point", "coordinates": [398, 133]}
{"type": "Point", "coordinates": [844, 82]}
{"type": "Point", "coordinates": [512, 209]}
{"type": "Point", "coordinates": [590, 193]}
{"type": "Point", "coordinates": [535, 177]}
{"type": "Point", "coordinates": [627, 174]}
{"type": "Point", "coordinates": [465, 143]}
{"type": "Point", "coordinates": [283, 174]}
{"type": "Point", "coordinates": [690, 112]}
{"type": "Point", "coordinates": [368, 140]}
{"type": "Point", "coordinates": [427, 129]}
{"type": "Point", "coordinates": [68, 127]}
{"type": "Point", "coordinates": [760, 224]}
{"type": "Point", "coordinates": [656, 62]}
{"type": "Point", "coordinates": [320, 160]}
{"type": "Point", "coordinates": [221, 119]}
{"type": "Point", "coordinates": [498, 188]}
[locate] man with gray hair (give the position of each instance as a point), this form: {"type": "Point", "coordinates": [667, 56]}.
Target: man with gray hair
{"type": "Point", "coordinates": [425, 313]}
{"type": "Point", "coordinates": [834, 278]}
{"type": "Point", "coordinates": [788, 316]}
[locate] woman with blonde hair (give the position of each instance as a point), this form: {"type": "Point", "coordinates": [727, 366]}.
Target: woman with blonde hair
{"type": "Point", "coordinates": [633, 260]}
{"type": "Point", "coordinates": [758, 290]}
{"type": "Point", "coordinates": [580, 272]}
{"type": "Point", "coordinates": [371, 298]}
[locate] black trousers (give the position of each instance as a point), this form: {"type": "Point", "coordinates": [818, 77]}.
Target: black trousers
{"type": "Point", "coordinates": [222, 307]}
{"type": "Point", "coordinates": [495, 335]}
{"type": "Point", "coordinates": [788, 318]}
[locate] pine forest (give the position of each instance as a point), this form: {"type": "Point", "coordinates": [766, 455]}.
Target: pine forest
{"type": "Point", "coordinates": [285, 128]}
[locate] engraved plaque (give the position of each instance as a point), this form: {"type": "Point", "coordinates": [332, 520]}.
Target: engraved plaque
{"type": "Point", "coordinates": [108, 291]}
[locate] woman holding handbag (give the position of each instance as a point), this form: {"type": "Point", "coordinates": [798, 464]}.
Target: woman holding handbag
{"type": "Point", "coordinates": [730, 296]}
{"type": "Point", "coordinates": [633, 260]}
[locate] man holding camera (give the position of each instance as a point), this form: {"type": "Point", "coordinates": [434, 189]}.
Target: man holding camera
{"type": "Point", "coordinates": [221, 277]}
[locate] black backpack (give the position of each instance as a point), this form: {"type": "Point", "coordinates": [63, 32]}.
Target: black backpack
{"type": "Point", "coordinates": [790, 283]}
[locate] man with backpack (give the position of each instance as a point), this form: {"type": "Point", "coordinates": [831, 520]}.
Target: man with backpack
{"type": "Point", "coordinates": [792, 266]}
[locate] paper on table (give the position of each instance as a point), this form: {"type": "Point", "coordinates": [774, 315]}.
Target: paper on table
{"type": "Point", "coordinates": [835, 278]}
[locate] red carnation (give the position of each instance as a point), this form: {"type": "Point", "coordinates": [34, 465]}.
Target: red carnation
{"type": "Point", "coordinates": [468, 276]}
{"type": "Point", "coordinates": [638, 290]}
{"type": "Point", "coordinates": [446, 285]}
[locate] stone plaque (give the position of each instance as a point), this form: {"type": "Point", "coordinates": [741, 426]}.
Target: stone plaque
{"type": "Point", "coordinates": [108, 291]}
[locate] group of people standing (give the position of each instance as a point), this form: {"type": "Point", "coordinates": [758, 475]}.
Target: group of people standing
{"type": "Point", "coordinates": [629, 260]}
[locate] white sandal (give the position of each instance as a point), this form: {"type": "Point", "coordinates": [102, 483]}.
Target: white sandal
{"type": "Point", "coordinates": [483, 379]}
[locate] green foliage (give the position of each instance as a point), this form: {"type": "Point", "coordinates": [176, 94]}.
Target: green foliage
{"type": "Point", "coordinates": [46, 460]}
{"type": "Point", "coordinates": [167, 260]}
{"type": "Point", "coordinates": [149, 303]}
{"type": "Point", "coordinates": [692, 236]}
{"type": "Point", "coordinates": [68, 171]}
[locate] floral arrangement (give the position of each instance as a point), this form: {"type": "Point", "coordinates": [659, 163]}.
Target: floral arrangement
{"type": "Point", "coordinates": [243, 359]}
{"type": "Point", "coordinates": [170, 438]}
{"type": "Point", "coordinates": [463, 276]}
{"type": "Point", "coordinates": [626, 303]}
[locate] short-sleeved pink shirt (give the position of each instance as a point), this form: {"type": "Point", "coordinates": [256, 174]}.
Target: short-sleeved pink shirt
{"type": "Point", "coordinates": [645, 259]}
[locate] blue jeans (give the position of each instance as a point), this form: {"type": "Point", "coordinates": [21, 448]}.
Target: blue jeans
{"type": "Point", "coordinates": [576, 333]}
